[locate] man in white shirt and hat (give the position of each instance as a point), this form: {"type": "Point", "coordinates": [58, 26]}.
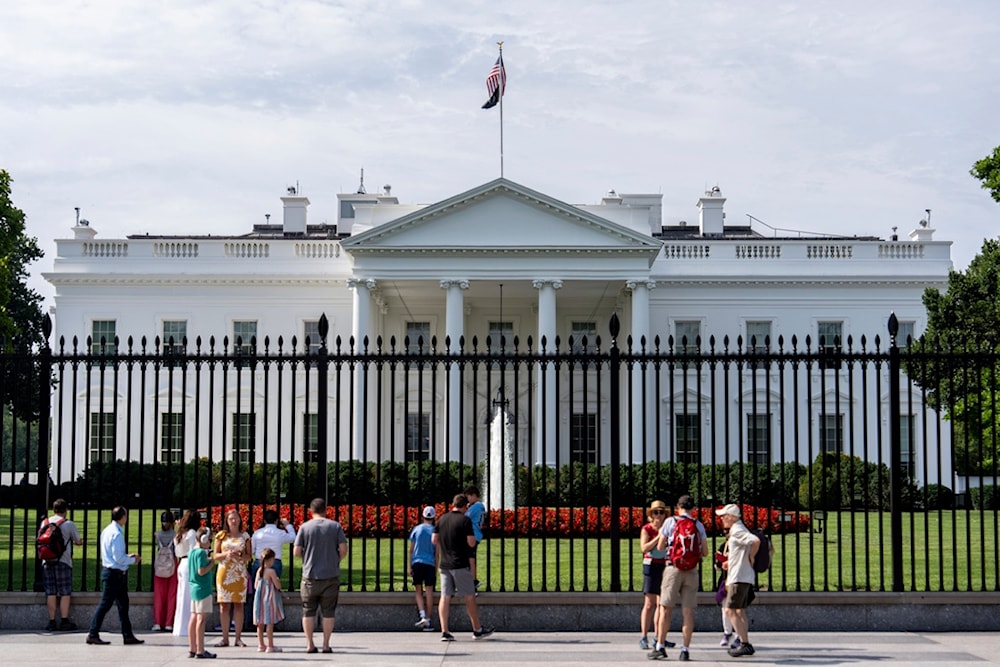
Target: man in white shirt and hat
{"type": "Point", "coordinates": [740, 576]}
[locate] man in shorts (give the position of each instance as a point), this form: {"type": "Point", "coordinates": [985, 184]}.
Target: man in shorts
{"type": "Point", "coordinates": [321, 544]}
{"type": "Point", "coordinates": [57, 577]}
{"type": "Point", "coordinates": [740, 576]}
{"type": "Point", "coordinates": [679, 586]}
{"type": "Point", "coordinates": [454, 539]}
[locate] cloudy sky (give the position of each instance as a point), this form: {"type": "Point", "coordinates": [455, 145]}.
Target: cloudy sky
{"type": "Point", "coordinates": [180, 117]}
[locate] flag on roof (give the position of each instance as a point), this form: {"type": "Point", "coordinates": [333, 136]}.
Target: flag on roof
{"type": "Point", "coordinates": [496, 81]}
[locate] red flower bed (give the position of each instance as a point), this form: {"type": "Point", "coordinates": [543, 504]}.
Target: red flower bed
{"type": "Point", "coordinates": [397, 521]}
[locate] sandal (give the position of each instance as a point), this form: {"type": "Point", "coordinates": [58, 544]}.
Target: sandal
{"type": "Point", "coordinates": [274, 649]}
{"type": "Point", "coordinates": [239, 642]}
{"type": "Point", "coordinates": [222, 643]}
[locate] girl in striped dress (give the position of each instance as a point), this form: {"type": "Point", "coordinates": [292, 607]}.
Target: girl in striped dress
{"type": "Point", "coordinates": [267, 606]}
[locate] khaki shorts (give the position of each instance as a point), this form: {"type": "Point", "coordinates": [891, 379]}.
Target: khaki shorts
{"type": "Point", "coordinates": [679, 587]}
{"type": "Point", "coordinates": [202, 606]}
{"type": "Point", "coordinates": [322, 594]}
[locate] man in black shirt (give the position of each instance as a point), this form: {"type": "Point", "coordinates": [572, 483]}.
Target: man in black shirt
{"type": "Point", "coordinates": [455, 539]}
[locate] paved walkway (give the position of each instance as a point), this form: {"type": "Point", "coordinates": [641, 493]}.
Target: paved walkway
{"type": "Point", "coordinates": [516, 650]}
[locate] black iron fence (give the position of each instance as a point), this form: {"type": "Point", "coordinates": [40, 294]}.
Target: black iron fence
{"type": "Point", "coordinates": [866, 479]}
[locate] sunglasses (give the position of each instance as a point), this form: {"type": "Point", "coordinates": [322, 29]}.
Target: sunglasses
{"type": "Point", "coordinates": [659, 512]}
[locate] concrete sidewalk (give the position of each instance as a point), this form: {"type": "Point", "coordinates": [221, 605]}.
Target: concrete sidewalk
{"type": "Point", "coordinates": [514, 649]}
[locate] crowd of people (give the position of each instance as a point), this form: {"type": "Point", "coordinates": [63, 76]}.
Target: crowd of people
{"type": "Point", "coordinates": [194, 569]}
{"type": "Point", "coordinates": [248, 567]}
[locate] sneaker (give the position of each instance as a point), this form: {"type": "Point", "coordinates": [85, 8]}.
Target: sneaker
{"type": "Point", "coordinates": [168, 628]}
{"type": "Point", "coordinates": [727, 639]}
{"type": "Point", "coordinates": [742, 649]}
{"type": "Point", "coordinates": [658, 654]}
{"type": "Point", "coordinates": [644, 644]}
{"type": "Point", "coordinates": [51, 627]}
{"type": "Point", "coordinates": [155, 628]}
{"type": "Point", "coordinates": [422, 623]}
{"type": "Point", "coordinates": [429, 627]}
{"type": "Point", "coordinates": [736, 643]}
{"type": "Point", "coordinates": [482, 633]}
{"type": "Point", "coordinates": [204, 655]}
{"type": "Point", "coordinates": [447, 637]}
{"type": "Point", "coordinates": [67, 625]}
{"type": "Point", "coordinates": [669, 644]}
{"type": "Point", "coordinates": [684, 656]}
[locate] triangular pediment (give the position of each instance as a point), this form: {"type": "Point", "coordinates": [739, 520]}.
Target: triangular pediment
{"type": "Point", "coordinates": [501, 216]}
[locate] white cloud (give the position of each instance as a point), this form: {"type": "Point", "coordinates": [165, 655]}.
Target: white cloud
{"type": "Point", "coordinates": [190, 116]}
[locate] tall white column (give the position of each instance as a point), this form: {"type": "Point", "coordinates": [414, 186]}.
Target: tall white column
{"type": "Point", "coordinates": [454, 328]}
{"type": "Point", "coordinates": [546, 400]}
{"type": "Point", "coordinates": [361, 327]}
{"type": "Point", "coordinates": [643, 413]}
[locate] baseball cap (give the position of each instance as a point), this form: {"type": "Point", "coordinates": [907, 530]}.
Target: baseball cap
{"type": "Point", "coordinates": [731, 510]}
{"type": "Point", "coordinates": [167, 517]}
{"type": "Point", "coordinates": [429, 512]}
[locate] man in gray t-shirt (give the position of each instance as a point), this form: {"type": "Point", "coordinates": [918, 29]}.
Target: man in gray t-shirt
{"type": "Point", "coordinates": [321, 544]}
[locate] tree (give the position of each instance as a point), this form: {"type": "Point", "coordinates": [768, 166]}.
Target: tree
{"type": "Point", "coordinates": [987, 170]}
{"type": "Point", "coordinates": [21, 318]}
{"type": "Point", "coordinates": [956, 359]}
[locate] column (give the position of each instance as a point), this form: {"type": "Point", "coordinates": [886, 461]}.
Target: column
{"type": "Point", "coordinates": [361, 327]}
{"type": "Point", "coordinates": [643, 414]}
{"type": "Point", "coordinates": [454, 329]}
{"type": "Point", "coordinates": [546, 399]}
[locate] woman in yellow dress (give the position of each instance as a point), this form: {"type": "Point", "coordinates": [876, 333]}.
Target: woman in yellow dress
{"type": "Point", "coordinates": [232, 552]}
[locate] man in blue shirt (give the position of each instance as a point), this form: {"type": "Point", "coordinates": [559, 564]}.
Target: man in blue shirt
{"type": "Point", "coordinates": [113, 578]}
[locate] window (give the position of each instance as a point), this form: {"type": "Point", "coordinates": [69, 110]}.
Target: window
{"type": "Point", "coordinates": [418, 436]}
{"type": "Point", "coordinates": [502, 331]}
{"type": "Point", "coordinates": [759, 438]}
{"type": "Point", "coordinates": [687, 436]}
{"type": "Point", "coordinates": [686, 335]}
{"type": "Point", "coordinates": [244, 427]}
{"type": "Point", "coordinates": [310, 437]}
{"type": "Point", "coordinates": [758, 341]}
{"type": "Point", "coordinates": [830, 336]}
{"type": "Point", "coordinates": [244, 335]}
{"type": "Point", "coordinates": [171, 437]}
{"type": "Point", "coordinates": [174, 335]}
{"type": "Point", "coordinates": [758, 336]}
{"type": "Point", "coordinates": [908, 448]}
{"type": "Point", "coordinates": [583, 438]}
{"type": "Point", "coordinates": [905, 334]}
{"type": "Point", "coordinates": [831, 433]}
{"type": "Point", "coordinates": [103, 330]}
{"type": "Point", "coordinates": [584, 335]}
{"type": "Point", "coordinates": [310, 337]}
{"type": "Point", "coordinates": [102, 437]}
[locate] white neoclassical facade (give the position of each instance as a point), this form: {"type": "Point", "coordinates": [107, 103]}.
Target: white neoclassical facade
{"type": "Point", "coordinates": [502, 258]}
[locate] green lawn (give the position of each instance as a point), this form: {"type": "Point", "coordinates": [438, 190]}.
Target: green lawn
{"type": "Point", "coordinates": [851, 553]}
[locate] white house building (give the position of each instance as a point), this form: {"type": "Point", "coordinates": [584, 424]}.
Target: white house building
{"type": "Point", "coordinates": [497, 259]}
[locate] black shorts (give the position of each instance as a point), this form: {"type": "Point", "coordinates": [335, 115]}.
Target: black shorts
{"type": "Point", "coordinates": [424, 574]}
{"type": "Point", "coordinates": [652, 578]}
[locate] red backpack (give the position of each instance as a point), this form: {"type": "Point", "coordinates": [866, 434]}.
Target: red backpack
{"type": "Point", "coordinates": [684, 551]}
{"type": "Point", "coordinates": [50, 543]}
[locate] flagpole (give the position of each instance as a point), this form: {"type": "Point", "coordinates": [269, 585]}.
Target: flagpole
{"type": "Point", "coordinates": [503, 81]}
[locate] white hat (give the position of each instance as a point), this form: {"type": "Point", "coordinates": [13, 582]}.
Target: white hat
{"type": "Point", "coordinates": [429, 512]}
{"type": "Point", "coordinates": [731, 510]}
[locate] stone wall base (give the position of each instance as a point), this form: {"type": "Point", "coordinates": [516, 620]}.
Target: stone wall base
{"type": "Point", "coordinates": [575, 612]}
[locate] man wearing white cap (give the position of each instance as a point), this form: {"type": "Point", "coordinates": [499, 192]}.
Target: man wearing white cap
{"type": "Point", "coordinates": [740, 576]}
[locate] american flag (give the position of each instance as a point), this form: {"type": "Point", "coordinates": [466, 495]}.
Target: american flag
{"type": "Point", "coordinates": [496, 81]}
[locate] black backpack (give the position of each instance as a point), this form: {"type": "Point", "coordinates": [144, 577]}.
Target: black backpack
{"type": "Point", "coordinates": [50, 543]}
{"type": "Point", "coordinates": [762, 561]}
